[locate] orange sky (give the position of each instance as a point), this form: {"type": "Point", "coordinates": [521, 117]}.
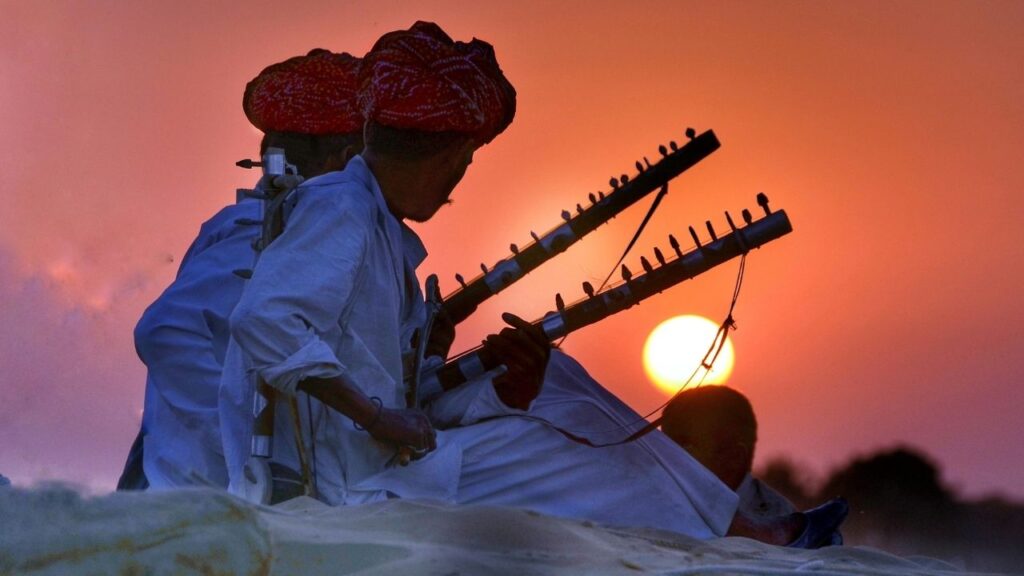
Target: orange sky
{"type": "Point", "coordinates": [890, 132]}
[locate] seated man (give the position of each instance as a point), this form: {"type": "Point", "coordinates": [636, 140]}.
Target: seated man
{"type": "Point", "coordinates": [307, 106]}
{"type": "Point", "coordinates": [716, 425]}
{"type": "Point", "coordinates": [324, 319]}
{"type": "Point", "coordinates": [182, 337]}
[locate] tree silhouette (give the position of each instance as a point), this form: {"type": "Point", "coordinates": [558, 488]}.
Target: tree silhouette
{"type": "Point", "coordinates": [787, 479]}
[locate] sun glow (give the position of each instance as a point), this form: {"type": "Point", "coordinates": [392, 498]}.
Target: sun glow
{"type": "Point", "coordinates": [676, 347]}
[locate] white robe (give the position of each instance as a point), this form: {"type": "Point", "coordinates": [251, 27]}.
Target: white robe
{"type": "Point", "coordinates": [651, 482]}
{"type": "Point", "coordinates": [504, 462]}
{"type": "Point", "coordinates": [182, 338]}
{"type": "Point", "coordinates": [335, 295]}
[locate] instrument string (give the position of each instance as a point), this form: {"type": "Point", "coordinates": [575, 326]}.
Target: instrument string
{"type": "Point", "coordinates": [636, 236]}
{"type": "Point", "coordinates": [707, 363]}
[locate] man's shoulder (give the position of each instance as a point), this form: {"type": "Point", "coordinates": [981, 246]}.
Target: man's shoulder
{"type": "Point", "coordinates": [230, 221]}
{"type": "Point", "coordinates": [232, 216]}
{"type": "Point", "coordinates": [356, 174]}
{"type": "Point", "coordinates": [347, 191]}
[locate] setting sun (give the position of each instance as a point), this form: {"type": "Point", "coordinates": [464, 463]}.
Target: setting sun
{"type": "Point", "coordinates": [676, 347]}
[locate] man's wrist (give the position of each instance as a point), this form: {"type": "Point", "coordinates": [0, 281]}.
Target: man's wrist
{"type": "Point", "coordinates": [345, 398]}
{"type": "Point", "coordinates": [368, 427]}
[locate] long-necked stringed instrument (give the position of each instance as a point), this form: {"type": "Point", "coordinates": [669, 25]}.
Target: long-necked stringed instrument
{"type": "Point", "coordinates": [633, 289]}
{"type": "Point", "coordinates": [625, 192]}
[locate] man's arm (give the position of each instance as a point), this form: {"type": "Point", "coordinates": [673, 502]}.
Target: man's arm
{"type": "Point", "coordinates": [395, 426]}
{"type": "Point", "coordinates": [300, 288]}
{"type": "Point", "coordinates": [299, 291]}
{"type": "Point", "coordinates": [180, 334]}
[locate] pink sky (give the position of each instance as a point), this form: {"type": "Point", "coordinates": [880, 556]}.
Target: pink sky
{"type": "Point", "coordinates": [890, 132]}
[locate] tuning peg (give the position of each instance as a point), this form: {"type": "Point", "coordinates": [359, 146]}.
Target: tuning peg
{"type": "Point", "coordinates": [593, 199]}
{"type": "Point", "coordinates": [614, 182]}
{"type": "Point", "coordinates": [673, 145]}
{"type": "Point", "coordinates": [762, 201]}
{"type": "Point", "coordinates": [514, 249]}
{"type": "Point", "coordinates": [728, 218]}
{"type": "Point", "coordinates": [248, 164]}
{"type": "Point", "coordinates": [711, 230]}
{"type": "Point", "coordinates": [696, 239]}
{"type": "Point", "coordinates": [460, 279]}
{"type": "Point", "coordinates": [588, 289]}
{"type": "Point", "coordinates": [566, 215]}
{"type": "Point", "coordinates": [244, 273]}
{"type": "Point", "coordinates": [579, 209]}
{"type": "Point", "coordinates": [647, 162]}
{"type": "Point", "coordinates": [627, 275]}
{"type": "Point", "coordinates": [600, 195]}
{"type": "Point", "coordinates": [662, 150]}
{"type": "Point", "coordinates": [624, 178]}
{"type": "Point", "coordinates": [646, 265]}
{"type": "Point", "coordinates": [639, 166]}
{"type": "Point", "coordinates": [659, 256]}
{"type": "Point", "coordinates": [691, 133]}
{"type": "Point", "coordinates": [257, 244]}
{"type": "Point", "coordinates": [675, 243]}
{"type": "Point", "coordinates": [747, 217]}
{"type": "Point", "coordinates": [483, 267]}
{"type": "Point", "coordinates": [534, 236]}
{"type": "Point", "coordinates": [559, 303]}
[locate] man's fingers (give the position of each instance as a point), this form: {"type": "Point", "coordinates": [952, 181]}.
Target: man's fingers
{"type": "Point", "coordinates": [515, 321]}
{"type": "Point", "coordinates": [527, 342]}
{"type": "Point", "coordinates": [509, 349]}
{"type": "Point", "coordinates": [534, 332]}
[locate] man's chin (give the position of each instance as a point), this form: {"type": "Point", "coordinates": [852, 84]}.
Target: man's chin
{"type": "Point", "coordinates": [424, 216]}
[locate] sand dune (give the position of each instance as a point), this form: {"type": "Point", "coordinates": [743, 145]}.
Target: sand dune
{"type": "Point", "coordinates": [57, 531]}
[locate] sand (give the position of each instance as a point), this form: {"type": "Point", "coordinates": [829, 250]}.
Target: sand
{"type": "Point", "coordinates": [54, 530]}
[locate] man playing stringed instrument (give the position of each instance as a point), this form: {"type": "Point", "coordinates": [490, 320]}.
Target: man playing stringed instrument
{"type": "Point", "coordinates": [307, 107]}
{"type": "Point", "coordinates": [323, 314]}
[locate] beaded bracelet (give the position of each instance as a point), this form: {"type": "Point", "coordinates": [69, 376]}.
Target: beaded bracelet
{"type": "Point", "coordinates": [376, 417]}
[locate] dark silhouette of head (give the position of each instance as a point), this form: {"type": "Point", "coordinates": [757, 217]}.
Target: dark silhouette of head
{"type": "Point", "coordinates": [307, 106]}
{"type": "Point", "coordinates": [716, 425]}
{"type": "Point", "coordinates": [424, 124]}
{"type": "Point", "coordinates": [315, 154]}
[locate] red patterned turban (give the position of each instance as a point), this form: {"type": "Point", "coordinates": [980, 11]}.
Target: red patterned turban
{"type": "Point", "coordinates": [420, 79]}
{"type": "Point", "coordinates": [311, 94]}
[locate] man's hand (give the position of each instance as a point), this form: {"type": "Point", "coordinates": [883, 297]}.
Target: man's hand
{"type": "Point", "coordinates": [404, 428]}
{"type": "Point", "coordinates": [392, 425]}
{"type": "Point", "coordinates": [442, 334]}
{"type": "Point", "coordinates": [524, 350]}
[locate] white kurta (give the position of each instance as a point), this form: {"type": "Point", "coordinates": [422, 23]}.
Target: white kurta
{"type": "Point", "coordinates": [651, 482]}
{"type": "Point", "coordinates": [182, 339]}
{"type": "Point", "coordinates": [334, 295]}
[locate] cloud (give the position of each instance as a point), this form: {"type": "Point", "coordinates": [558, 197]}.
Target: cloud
{"type": "Point", "coordinates": [72, 386]}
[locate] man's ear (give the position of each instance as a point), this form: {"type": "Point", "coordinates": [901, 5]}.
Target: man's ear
{"type": "Point", "coordinates": [348, 153]}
